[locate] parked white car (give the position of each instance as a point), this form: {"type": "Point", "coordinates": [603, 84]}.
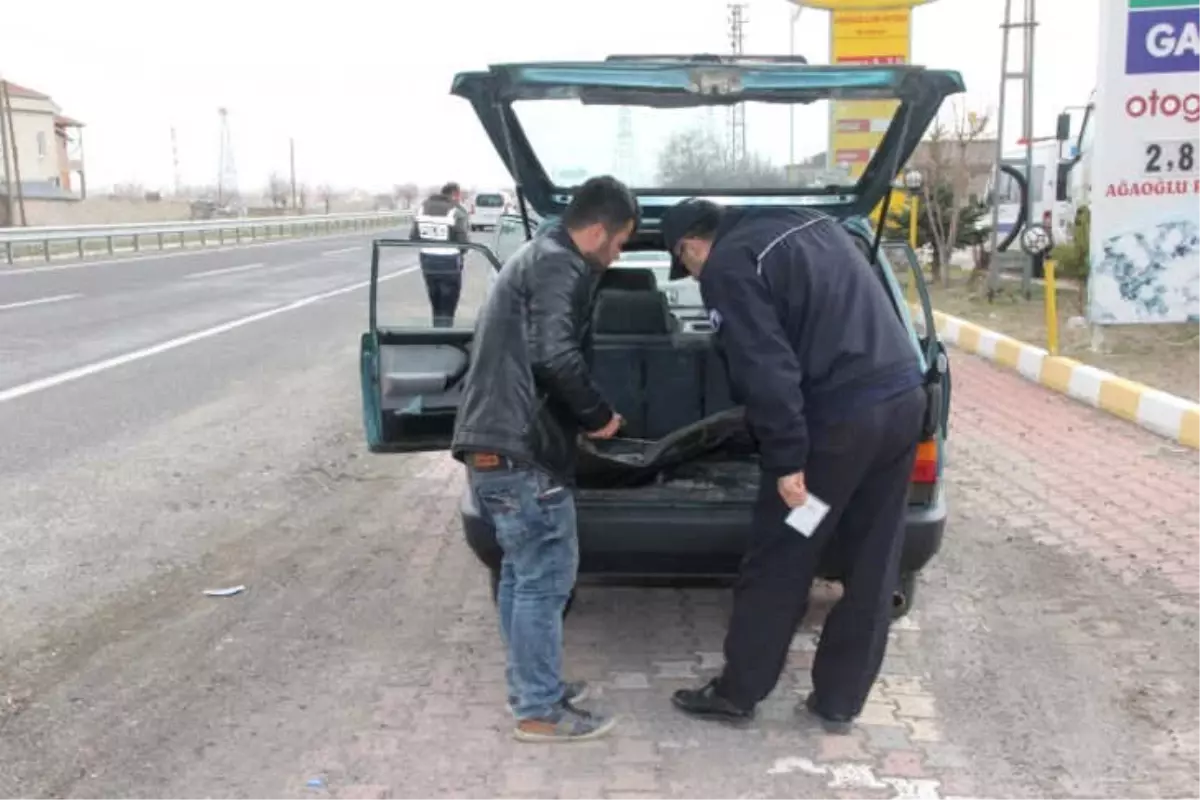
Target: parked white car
{"type": "Point", "coordinates": [486, 209]}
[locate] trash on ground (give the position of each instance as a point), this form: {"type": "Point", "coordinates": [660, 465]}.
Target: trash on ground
{"type": "Point", "coordinates": [229, 592]}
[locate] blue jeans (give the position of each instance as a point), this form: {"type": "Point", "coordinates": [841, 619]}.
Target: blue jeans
{"type": "Point", "coordinates": [534, 519]}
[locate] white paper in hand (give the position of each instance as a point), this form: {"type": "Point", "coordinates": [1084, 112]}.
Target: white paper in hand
{"type": "Point", "coordinates": [807, 517]}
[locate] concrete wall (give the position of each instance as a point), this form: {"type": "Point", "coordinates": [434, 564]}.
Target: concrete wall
{"type": "Point", "coordinates": [102, 211]}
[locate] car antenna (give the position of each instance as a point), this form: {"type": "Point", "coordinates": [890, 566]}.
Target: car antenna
{"type": "Point", "coordinates": [513, 171]}
{"type": "Point", "coordinates": [892, 167]}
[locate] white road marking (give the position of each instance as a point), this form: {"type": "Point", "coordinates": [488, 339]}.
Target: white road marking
{"type": "Point", "coordinates": [6, 271]}
{"type": "Point", "coordinates": [58, 298]}
{"type": "Point", "coordinates": [171, 344]}
{"type": "Point", "coordinates": [224, 271]}
{"type": "Point", "coordinates": [343, 250]}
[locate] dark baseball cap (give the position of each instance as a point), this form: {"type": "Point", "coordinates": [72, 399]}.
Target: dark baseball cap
{"type": "Point", "coordinates": [683, 219]}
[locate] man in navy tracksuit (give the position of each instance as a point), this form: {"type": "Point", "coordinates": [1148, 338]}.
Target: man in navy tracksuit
{"type": "Point", "coordinates": [833, 394]}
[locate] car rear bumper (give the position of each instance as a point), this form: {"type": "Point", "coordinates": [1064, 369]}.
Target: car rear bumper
{"type": "Point", "coordinates": [695, 539]}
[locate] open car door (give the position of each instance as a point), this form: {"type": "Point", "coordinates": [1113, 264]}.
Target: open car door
{"type": "Point", "coordinates": [411, 374]}
{"type": "Point", "coordinates": [933, 349]}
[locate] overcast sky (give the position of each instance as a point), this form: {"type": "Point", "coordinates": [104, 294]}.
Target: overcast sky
{"type": "Point", "coordinates": [363, 85]}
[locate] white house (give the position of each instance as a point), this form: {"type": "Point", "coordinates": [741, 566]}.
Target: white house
{"type": "Point", "coordinates": [49, 152]}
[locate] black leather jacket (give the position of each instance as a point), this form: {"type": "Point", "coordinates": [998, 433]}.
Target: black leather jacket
{"type": "Point", "coordinates": [529, 391]}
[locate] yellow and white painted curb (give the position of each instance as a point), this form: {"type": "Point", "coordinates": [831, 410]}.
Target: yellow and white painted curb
{"type": "Point", "coordinates": [1160, 412]}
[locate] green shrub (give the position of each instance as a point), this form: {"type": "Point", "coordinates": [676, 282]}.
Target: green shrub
{"type": "Point", "coordinates": [1072, 258]}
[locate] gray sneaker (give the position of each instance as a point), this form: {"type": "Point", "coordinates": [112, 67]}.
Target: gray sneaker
{"type": "Point", "coordinates": [565, 724]}
{"type": "Point", "coordinates": [575, 692]}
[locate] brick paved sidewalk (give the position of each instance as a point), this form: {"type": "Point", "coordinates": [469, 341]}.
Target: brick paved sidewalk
{"type": "Point", "coordinates": [1050, 472]}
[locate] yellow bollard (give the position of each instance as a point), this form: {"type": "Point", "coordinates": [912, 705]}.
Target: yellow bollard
{"type": "Point", "coordinates": [1051, 309]}
{"type": "Point", "coordinates": [912, 223]}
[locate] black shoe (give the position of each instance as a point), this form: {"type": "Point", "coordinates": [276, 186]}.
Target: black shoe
{"type": "Point", "coordinates": [832, 723]}
{"type": "Point", "coordinates": [705, 703]}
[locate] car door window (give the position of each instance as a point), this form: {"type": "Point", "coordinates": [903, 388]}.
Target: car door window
{"type": "Point", "coordinates": [414, 282]}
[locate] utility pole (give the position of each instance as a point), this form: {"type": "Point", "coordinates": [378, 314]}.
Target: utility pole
{"type": "Point", "coordinates": [175, 163]}
{"type": "Point", "coordinates": [227, 182]}
{"type": "Point", "coordinates": [1025, 75]}
{"type": "Point", "coordinates": [792, 106]}
{"type": "Point", "coordinates": [292, 162]}
{"type": "Point", "coordinates": [6, 104]}
{"type": "Point", "coordinates": [625, 166]}
{"type": "Point", "coordinates": [737, 112]}
{"type": "Point", "coordinates": [6, 162]}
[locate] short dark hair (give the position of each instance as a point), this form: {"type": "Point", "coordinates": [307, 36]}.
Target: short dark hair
{"type": "Point", "coordinates": [602, 199]}
{"type": "Point", "coordinates": [450, 188]}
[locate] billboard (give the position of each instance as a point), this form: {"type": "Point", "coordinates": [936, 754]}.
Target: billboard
{"type": "Point", "coordinates": [870, 36]}
{"type": "Point", "coordinates": [1145, 239]}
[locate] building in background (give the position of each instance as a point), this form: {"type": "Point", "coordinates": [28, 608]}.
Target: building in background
{"type": "Point", "coordinates": [49, 147]}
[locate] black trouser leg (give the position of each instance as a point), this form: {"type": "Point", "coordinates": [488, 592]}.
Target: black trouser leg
{"type": "Point", "coordinates": [451, 292]}
{"type": "Point", "coordinates": [871, 533]}
{"type": "Point", "coordinates": [854, 637]}
{"type": "Point", "coordinates": [443, 284]}
{"type": "Point", "coordinates": [769, 600]}
{"type": "Point", "coordinates": [771, 595]}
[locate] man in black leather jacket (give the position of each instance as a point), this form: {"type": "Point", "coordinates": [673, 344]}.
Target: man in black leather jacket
{"type": "Point", "coordinates": [527, 397]}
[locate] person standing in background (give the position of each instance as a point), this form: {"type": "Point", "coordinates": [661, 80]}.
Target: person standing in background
{"type": "Point", "coordinates": [442, 222]}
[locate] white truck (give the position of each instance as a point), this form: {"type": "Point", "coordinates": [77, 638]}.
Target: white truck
{"type": "Point", "coordinates": [1061, 178]}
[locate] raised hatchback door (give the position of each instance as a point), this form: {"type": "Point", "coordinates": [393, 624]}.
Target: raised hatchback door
{"type": "Point", "coordinates": [527, 110]}
{"type": "Point", "coordinates": [412, 373]}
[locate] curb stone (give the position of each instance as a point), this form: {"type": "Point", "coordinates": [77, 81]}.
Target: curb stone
{"type": "Point", "coordinates": [1162, 413]}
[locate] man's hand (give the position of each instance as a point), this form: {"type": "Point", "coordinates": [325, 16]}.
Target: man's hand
{"type": "Point", "coordinates": [792, 489]}
{"type": "Point", "coordinates": [609, 430]}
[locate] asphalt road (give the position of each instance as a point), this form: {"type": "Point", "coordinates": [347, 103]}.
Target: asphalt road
{"type": "Point", "coordinates": [175, 424]}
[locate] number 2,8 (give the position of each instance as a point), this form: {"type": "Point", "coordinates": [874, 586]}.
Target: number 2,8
{"type": "Point", "coordinates": [1187, 156]}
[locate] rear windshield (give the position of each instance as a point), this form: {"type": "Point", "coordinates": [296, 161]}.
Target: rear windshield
{"type": "Point", "coordinates": [746, 146]}
{"type": "Point", "coordinates": [489, 200]}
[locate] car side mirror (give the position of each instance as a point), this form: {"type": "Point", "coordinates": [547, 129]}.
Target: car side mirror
{"type": "Point", "coordinates": [1063, 132]}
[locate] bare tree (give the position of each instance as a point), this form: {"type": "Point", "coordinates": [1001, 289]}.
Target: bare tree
{"type": "Point", "coordinates": [325, 195]}
{"type": "Point", "coordinates": [947, 165]}
{"type": "Point", "coordinates": [407, 193]}
{"type": "Point", "coordinates": [279, 190]}
{"type": "Point", "coordinates": [697, 159]}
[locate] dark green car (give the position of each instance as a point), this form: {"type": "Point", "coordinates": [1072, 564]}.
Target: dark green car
{"type": "Point", "coordinates": [672, 498]}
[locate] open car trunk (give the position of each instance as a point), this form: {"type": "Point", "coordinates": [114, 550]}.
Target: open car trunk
{"type": "Point", "coordinates": [684, 434]}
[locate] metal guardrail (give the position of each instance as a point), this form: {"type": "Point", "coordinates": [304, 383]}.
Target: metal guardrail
{"type": "Point", "coordinates": [232, 230]}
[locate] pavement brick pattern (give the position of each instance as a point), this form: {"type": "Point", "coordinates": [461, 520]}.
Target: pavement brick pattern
{"type": "Point", "coordinates": [1074, 479]}
{"type": "Point", "coordinates": [1077, 479]}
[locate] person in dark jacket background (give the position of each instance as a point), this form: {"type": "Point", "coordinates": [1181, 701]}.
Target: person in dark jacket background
{"type": "Point", "coordinates": [442, 222]}
{"type": "Point", "coordinates": [833, 394]}
{"type": "Point", "coordinates": [528, 395]}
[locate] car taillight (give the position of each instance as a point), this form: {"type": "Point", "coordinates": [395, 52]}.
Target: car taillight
{"type": "Point", "coordinates": [925, 469]}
